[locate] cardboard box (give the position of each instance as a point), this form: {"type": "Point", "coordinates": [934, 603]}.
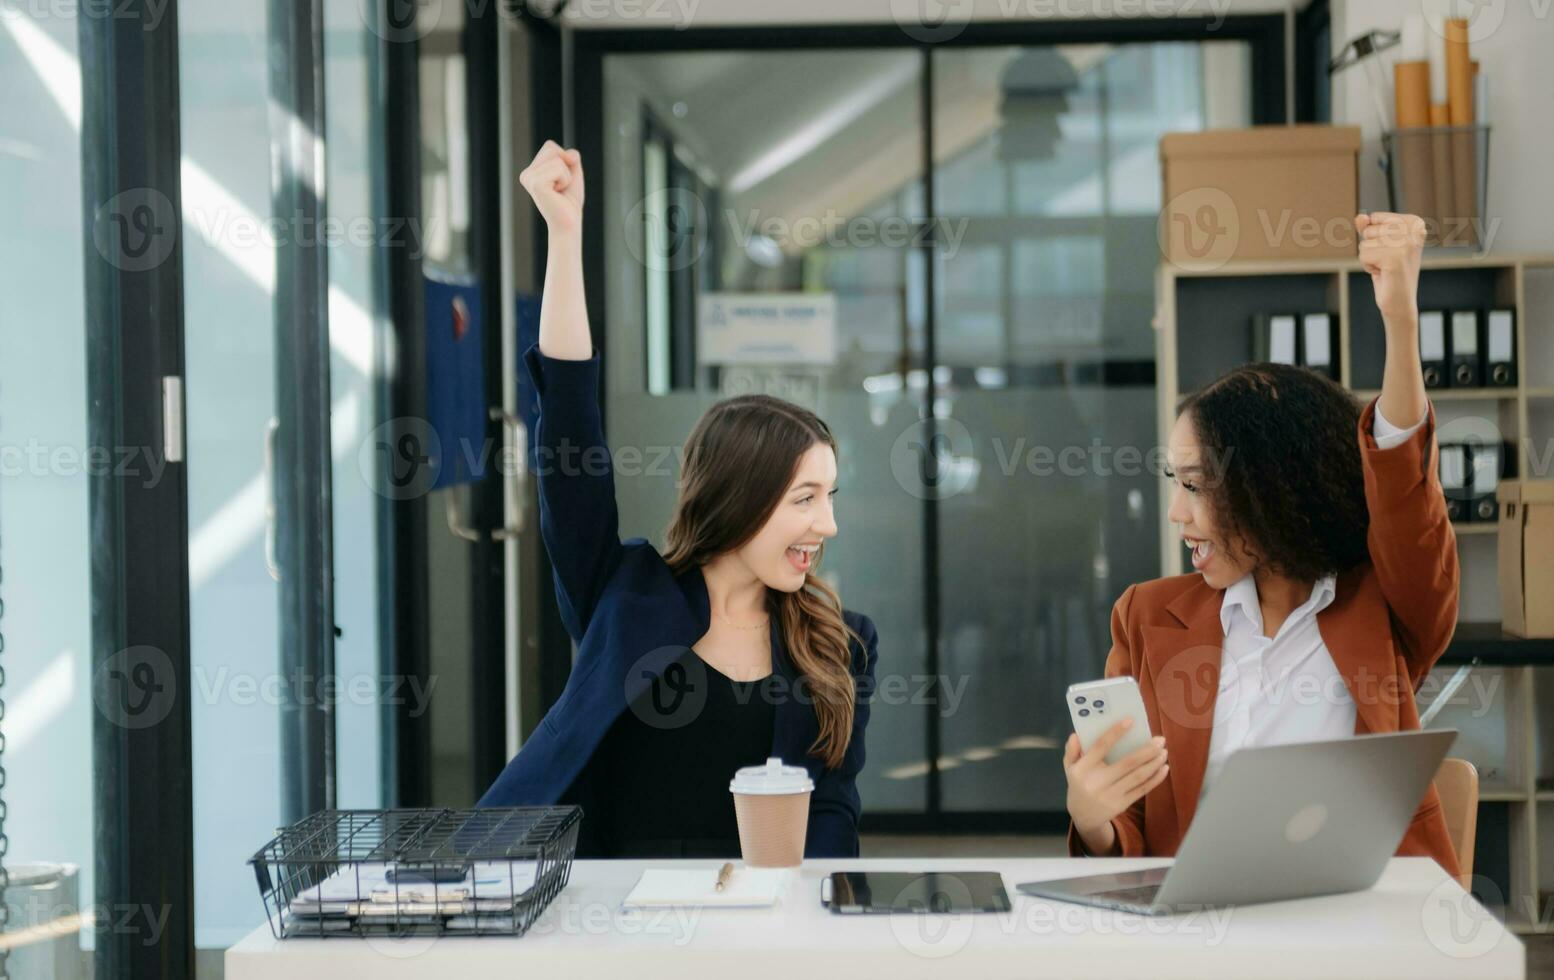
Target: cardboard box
{"type": "Point", "coordinates": [1527, 557]}
{"type": "Point", "coordinates": [1269, 192]}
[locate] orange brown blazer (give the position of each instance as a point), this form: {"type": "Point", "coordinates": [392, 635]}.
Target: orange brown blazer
{"type": "Point", "coordinates": [1387, 625]}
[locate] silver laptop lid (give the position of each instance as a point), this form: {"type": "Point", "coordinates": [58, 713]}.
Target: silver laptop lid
{"type": "Point", "coordinates": [1309, 818]}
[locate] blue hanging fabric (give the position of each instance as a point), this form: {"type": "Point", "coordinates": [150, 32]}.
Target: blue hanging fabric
{"type": "Point", "coordinates": [455, 380]}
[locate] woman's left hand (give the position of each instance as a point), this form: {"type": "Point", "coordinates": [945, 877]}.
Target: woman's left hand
{"type": "Point", "coordinates": [1390, 250]}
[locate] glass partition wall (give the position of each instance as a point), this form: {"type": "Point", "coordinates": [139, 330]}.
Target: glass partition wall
{"type": "Point", "coordinates": [965, 238]}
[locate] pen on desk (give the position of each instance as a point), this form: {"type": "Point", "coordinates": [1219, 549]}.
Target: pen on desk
{"type": "Point", "coordinates": [723, 875]}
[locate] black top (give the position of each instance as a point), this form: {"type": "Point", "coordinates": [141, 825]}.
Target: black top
{"type": "Point", "coordinates": [669, 757]}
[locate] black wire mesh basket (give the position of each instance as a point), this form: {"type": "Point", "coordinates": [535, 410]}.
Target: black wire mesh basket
{"type": "Point", "coordinates": [471, 872]}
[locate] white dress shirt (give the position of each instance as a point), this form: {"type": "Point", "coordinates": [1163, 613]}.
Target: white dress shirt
{"type": "Point", "coordinates": [1273, 691]}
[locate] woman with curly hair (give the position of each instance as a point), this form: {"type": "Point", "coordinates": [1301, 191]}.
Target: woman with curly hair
{"type": "Point", "coordinates": [1324, 584]}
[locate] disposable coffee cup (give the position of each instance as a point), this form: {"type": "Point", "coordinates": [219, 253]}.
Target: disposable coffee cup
{"type": "Point", "coordinates": [771, 803]}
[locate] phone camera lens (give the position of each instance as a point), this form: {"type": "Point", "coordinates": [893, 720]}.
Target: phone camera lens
{"type": "Point", "coordinates": [1080, 699]}
{"type": "Point", "coordinates": [1100, 704]}
{"type": "Point", "coordinates": [1084, 712]}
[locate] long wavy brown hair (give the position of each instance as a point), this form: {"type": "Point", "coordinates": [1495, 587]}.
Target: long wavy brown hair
{"type": "Point", "coordinates": [739, 461]}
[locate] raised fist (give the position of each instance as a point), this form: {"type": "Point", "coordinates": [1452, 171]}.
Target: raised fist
{"type": "Point", "coordinates": [1390, 247]}
{"type": "Point", "coordinates": [554, 179]}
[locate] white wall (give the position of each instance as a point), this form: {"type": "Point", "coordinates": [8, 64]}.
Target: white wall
{"type": "Point", "coordinates": [1516, 49]}
{"type": "Point", "coordinates": [932, 18]}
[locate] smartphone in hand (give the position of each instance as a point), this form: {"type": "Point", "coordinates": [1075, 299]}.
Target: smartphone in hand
{"type": "Point", "coordinates": [1096, 706]}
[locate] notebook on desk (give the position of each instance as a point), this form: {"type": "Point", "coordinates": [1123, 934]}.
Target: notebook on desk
{"type": "Point", "coordinates": [746, 888]}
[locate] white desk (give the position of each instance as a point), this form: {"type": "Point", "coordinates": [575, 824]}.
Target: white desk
{"type": "Point", "coordinates": [1415, 923]}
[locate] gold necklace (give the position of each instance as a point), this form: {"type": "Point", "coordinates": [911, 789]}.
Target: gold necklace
{"type": "Point", "coordinates": [736, 626]}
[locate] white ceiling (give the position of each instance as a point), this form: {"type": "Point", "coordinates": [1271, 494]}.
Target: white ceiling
{"type": "Point", "coordinates": [798, 133]}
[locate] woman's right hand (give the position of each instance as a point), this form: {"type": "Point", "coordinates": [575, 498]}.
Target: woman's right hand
{"type": "Point", "coordinates": [1098, 792]}
{"type": "Point", "coordinates": [554, 179]}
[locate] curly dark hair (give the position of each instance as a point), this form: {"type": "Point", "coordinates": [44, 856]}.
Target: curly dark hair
{"type": "Point", "coordinates": [1292, 486]}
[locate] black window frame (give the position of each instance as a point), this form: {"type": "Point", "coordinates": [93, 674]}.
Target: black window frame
{"type": "Point", "coordinates": [1265, 34]}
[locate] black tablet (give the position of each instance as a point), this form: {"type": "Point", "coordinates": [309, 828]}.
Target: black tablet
{"type": "Point", "coordinates": [932, 892]}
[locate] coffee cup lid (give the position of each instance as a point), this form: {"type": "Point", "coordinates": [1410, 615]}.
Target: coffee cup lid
{"type": "Point", "coordinates": [772, 779]}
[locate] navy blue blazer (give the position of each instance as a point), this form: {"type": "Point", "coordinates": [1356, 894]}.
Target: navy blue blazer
{"type": "Point", "coordinates": [631, 615]}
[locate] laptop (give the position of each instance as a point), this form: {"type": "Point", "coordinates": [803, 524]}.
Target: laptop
{"type": "Point", "coordinates": [1282, 822]}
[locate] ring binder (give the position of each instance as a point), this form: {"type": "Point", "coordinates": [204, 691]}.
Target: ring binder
{"type": "Point", "coordinates": [1275, 338]}
{"type": "Point", "coordinates": [1454, 480]}
{"type": "Point", "coordinates": [1500, 348]}
{"type": "Point", "coordinates": [1319, 344]}
{"type": "Point", "coordinates": [1486, 477]}
{"type": "Point", "coordinates": [1432, 347]}
{"type": "Point", "coordinates": [1466, 368]}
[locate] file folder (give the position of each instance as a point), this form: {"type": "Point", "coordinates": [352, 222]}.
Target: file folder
{"type": "Point", "coordinates": [1275, 338]}
{"type": "Point", "coordinates": [1466, 368]}
{"type": "Point", "coordinates": [1486, 477]}
{"type": "Point", "coordinates": [1432, 347]}
{"type": "Point", "coordinates": [1454, 480]}
{"type": "Point", "coordinates": [1500, 348]}
{"type": "Point", "coordinates": [1318, 344]}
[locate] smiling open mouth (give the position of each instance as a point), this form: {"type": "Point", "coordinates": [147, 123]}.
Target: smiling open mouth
{"type": "Point", "coordinates": [1202, 551]}
{"type": "Point", "coordinates": [802, 556]}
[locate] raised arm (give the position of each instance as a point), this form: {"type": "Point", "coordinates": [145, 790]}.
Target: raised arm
{"type": "Point", "coordinates": [1411, 542]}
{"type": "Point", "coordinates": [578, 519]}
{"type": "Point", "coordinates": [1390, 248]}
{"type": "Point", "coordinates": [555, 181]}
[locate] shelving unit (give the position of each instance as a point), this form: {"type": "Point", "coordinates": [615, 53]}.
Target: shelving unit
{"type": "Point", "coordinates": [1208, 313]}
{"type": "Point", "coordinates": [1481, 528]}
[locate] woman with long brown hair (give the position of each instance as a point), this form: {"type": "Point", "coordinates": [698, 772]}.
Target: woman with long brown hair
{"type": "Point", "coordinates": [721, 652]}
